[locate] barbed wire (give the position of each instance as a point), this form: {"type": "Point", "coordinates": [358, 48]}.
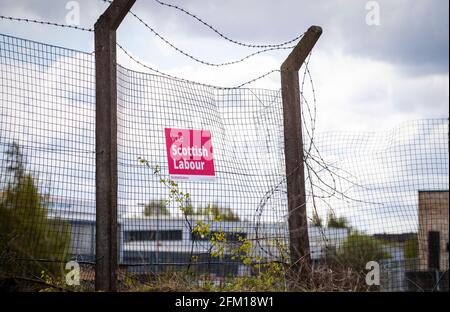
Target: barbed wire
{"type": "Point", "coordinates": [128, 54]}
{"type": "Point", "coordinates": [268, 48]}
{"type": "Point", "coordinates": [19, 19]}
{"type": "Point", "coordinates": [312, 159]}
{"type": "Point", "coordinates": [313, 115]}
{"type": "Point", "coordinates": [248, 45]}
{"type": "Point", "coordinates": [194, 58]}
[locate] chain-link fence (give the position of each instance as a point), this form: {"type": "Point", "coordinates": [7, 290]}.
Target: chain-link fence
{"type": "Point", "coordinates": [379, 197]}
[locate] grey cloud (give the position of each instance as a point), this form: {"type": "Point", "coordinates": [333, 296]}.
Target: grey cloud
{"type": "Point", "coordinates": [413, 35]}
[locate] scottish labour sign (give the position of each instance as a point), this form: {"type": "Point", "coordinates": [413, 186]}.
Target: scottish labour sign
{"type": "Point", "coordinates": [189, 154]}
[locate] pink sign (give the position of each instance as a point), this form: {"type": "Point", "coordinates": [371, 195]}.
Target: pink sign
{"type": "Point", "coordinates": [189, 154]}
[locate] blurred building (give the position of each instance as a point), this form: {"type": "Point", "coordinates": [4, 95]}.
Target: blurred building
{"type": "Point", "coordinates": [433, 235]}
{"type": "Point", "coordinates": [167, 242]}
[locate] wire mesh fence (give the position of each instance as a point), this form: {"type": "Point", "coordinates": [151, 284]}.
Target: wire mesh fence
{"type": "Point", "coordinates": [389, 189]}
{"type": "Point", "coordinates": [379, 197]}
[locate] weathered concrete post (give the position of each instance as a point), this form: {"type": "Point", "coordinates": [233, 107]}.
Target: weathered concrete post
{"type": "Point", "coordinates": [106, 144]}
{"type": "Point", "coordinates": [293, 143]}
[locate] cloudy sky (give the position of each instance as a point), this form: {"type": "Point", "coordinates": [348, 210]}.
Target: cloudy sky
{"type": "Point", "coordinates": [367, 76]}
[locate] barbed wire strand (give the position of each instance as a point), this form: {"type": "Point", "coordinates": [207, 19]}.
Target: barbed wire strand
{"type": "Point", "coordinates": [196, 59]}
{"type": "Point", "coordinates": [128, 54]}
{"type": "Point", "coordinates": [240, 43]}
{"type": "Point", "coordinates": [134, 59]}
{"type": "Point", "coordinates": [19, 19]}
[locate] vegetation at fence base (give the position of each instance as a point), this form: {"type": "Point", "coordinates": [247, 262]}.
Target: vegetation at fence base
{"type": "Point", "coordinates": [274, 277]}
{"type": "Point", "coordinates": [265, 274]}
{"type": "Point", "coordinates": [358, 249]}
{"type": "Point", "coordinates": [29, 242]}
{"type": "Point", "coordinates": [50, 283]}
{"type": "Point", "coordinates": [267, 280]}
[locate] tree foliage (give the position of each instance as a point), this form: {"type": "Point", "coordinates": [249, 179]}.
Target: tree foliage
{"type": "Point", "coordinates": [27, 235]}
{"type": "Point", "coordinates": [358, 249]}
{"type": "Point", "coordinates": [411, 248]}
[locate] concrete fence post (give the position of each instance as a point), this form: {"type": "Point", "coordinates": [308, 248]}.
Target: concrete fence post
{"type": "Point", "coordinates": [106, 144]}
{"type": "Point", "coordinates": [293, 144]}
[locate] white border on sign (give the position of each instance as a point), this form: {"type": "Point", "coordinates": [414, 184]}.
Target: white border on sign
{"type": "Point", "coordinates": [187, 177]}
